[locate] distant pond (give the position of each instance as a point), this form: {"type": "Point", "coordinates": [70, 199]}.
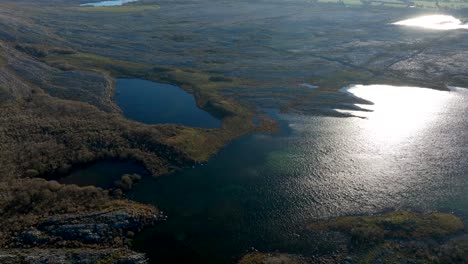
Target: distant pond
{"type": "Point", "coordinates": [109, 3]}
{"type": "Point", "coordinates": [157, 103]}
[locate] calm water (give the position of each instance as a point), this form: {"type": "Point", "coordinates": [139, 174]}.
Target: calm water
{"type": "Point", "coordinates": [157, 103]}
{"type": "Point", "coordinates": [109, 3]}
{"type": "Point", "coordinates": [411, 152]}
{"type": "Point", "coordinates": [102, 174]}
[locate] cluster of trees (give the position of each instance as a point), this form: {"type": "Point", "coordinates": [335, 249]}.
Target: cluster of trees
{"type": "Point", "coordinates": [41, 197]}
{"type": "Point", "coordinates": [126, 181]}
{"type": "Point", "coordinates": [24, 202]}
{"type": "Point", "coordinates": [47, 136]}
{"type": "Point", "coordinates": [42, 135]}
{"type": "Point", "coordinates": [415, 237]}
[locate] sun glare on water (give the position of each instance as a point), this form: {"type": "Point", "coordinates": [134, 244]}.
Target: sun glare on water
{"type": "Point", "coordinates": [109, 3]}
{"type": "Point", "coordinates": [397, 112]}
{"type": "Point", "coordinates": [437, 22]}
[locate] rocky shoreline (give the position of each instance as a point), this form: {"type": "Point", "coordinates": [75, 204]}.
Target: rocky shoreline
{"type": "Point", "coordinates": [81, 255]}
{"type": "Point", "coordinates": [81, 238]}
{"type": "Point", "coordinates": [393, 237]}
{"type": "Point", "coordinates": [56, 223]}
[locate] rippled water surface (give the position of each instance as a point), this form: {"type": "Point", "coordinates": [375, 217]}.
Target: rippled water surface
{"type": "Point", "coordinates": [407, 149]}
{"type": "Point", "coordinates": [410, 152]}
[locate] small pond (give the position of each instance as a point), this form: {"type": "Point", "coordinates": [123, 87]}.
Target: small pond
{"type": "Point", "coordinates": [102, 174]}
{"type": "Point", "coordinates": [157, 103]}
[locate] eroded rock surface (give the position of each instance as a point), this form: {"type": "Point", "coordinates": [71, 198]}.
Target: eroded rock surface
{"type": "Point", "coordinates": [61, 256]}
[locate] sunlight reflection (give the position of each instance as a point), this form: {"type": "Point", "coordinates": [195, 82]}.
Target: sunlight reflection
{"type": "Point", "coordinates": [109, 3]}
{"type": "Point", "coordinates": [397, 111]}
{"type": "Point", "coordinates": [438, 22]}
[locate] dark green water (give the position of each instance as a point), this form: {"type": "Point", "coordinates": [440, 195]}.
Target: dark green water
{"type": "Point", "coordinates": [261, 190]}
{"type": "Point", "coordinates": [93, 174]}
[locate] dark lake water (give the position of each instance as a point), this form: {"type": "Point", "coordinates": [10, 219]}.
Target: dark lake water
{"type": "Point", "coordinates": [93, 175]}
{"type": "Point", "coordinates": [410, 152]}
{"type": "Point", "coordinates": [157, 103]}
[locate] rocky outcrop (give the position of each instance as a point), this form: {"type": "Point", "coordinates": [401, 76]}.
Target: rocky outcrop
{"type": "Point", "coordinates": [393, 237]}
{"type": "Point", "coordinates": [272, 258]}
{"type": "Point", "coordinates": [96, 236]}
{"type": "Point", "coordinates": [82, 256]}
{"type": "Point", "coordinates": [112, 228]}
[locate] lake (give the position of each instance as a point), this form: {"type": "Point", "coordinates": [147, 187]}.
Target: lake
{"type": "Point", "coordinates": [260, 191]}
{"type": "Point", "coordinates": [157, 103]}
{"type": "Point", "coordinates": [407, 152]}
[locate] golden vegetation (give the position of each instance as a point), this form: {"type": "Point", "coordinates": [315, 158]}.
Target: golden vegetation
{"type": "Point", "coordinates": [200, 144]}
{"type": "Point", "coordinates": [392, 237]}
{"type": "Point", "coordinates": [42, 135]}
{"type": "Point", "coordinates": [270, 258]}
{"type": "Point", "coordinates": [47, 135]}
{"type": "Point", "coordinates": [394, 225]}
